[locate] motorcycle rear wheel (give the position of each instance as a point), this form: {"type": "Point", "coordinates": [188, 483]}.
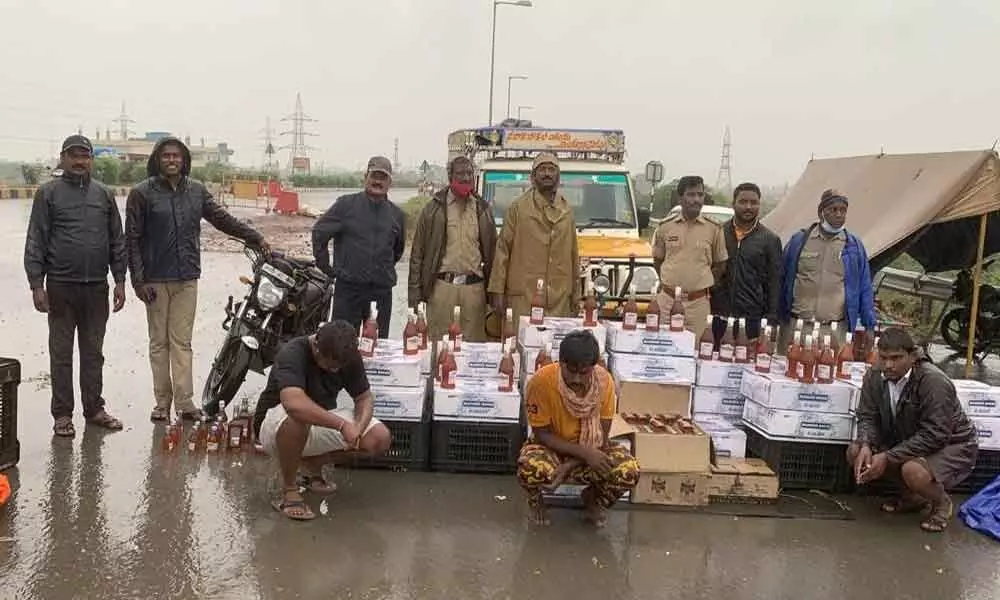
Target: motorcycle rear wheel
{"type": "Point", "coordinates": [229, 371]}
{"type": "Point", "coordinates": [955, 331]}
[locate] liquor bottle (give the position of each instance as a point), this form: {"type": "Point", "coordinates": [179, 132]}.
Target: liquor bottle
{"type": "Point", "coordinates": [455, 330]}
{"type": "Point", "coordinates": [835, 337]}
{"type": "Point", "coordinates": [212, 444]}
{"type": "Point", "coordinates": [544, 356]}
{"type": "Point", "coordinates": [590, 306]}
{"type": "Point", "coordinates": [509, 330]}
{"type": "Point", "coordinates": [538, 304]}
{"type": "Point", "coordinates": [727, 347]}
{"type": "Point", "coordinates": [235, 434]}
{"type": "Point", "coordinates": [369, 332]}
{"type": "Point", "coordinates": [762, 359]}
{"type": "Point", "coordinates": [845, 356]}
{"type": "Point", "coordinates": [741, 348]}
{"type": "Point", "coordinates": [860, 342]}
{"type": "Point", "coordinates": [446, 365]}
{"type": "Point", "coordinates": [872, 359]}
{"type": "Point", "coordinates": [653, 315]}
{"type": "Point", "coordinates": [794, 353]}
{"type": "Point", "coordinates": [630, 318]}
{"type": "Point", "coordinates": [806, 367]}
{"type": "Point", "coordinates": [677, 311]}
{"type": "Point", "coordinates": [706, 345]}
{"type": "Point", "coordinates": [506, 370]}
{"type": "Point", "coordinates": [194, 438]}
{"type": "Point", "coordinates": [826, 366]}
{"type": "Point", "coordinates": [411, 336]}
{"type": "Point", "coordinates": [172, 436]}
{"type": "Point", "coordinates": [422, 325]}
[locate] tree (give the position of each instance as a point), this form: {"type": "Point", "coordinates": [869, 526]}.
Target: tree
{"type": "Point", "coordinates": [666, 198]}
{"type": "Point", "coordinates": [32, 174]}
{"type": "Point", "coordinates": [107, 169]}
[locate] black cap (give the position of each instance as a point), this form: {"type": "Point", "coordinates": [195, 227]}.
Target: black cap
{"type": "Point", "coordinates": [78, 141]}
{"type": "Point", "coordinates": [380, 163]}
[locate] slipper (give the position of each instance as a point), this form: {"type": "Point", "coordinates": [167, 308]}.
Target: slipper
{"type": "Point", "coordinates": [939, 519]}
{"type": "Point", "coordinates": [64, 427]}
{"type": "Point", "coordinates": [296, 510]}
{"type": "Point", "coordinates": [103, 419]}
{"type": "Point", "coordinates": [160, 414]}
{"type": "Point", "coordinates": [316, 483]}
{"type": "Point", "coordinates": [902, 506]}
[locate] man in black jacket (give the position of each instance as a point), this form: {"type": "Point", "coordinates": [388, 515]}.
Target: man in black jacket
{"type": "Point", "coordinates": [368, 236]}
{"type": "Point", "coordinates": [74, 238]}
{"type": "Point", "coordinates": [750, 287]}
{"type": "Point", "coordinates": [163, 231]}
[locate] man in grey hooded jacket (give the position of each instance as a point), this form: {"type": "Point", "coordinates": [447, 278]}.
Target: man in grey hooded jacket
{"type": "Point", "coordinates": [163, 231]}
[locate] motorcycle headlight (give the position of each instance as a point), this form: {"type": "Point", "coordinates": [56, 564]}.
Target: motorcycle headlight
{"type": "Point", "coordinates": [269, 295]}
{"type": "Point", "coordinates": [645, 279]}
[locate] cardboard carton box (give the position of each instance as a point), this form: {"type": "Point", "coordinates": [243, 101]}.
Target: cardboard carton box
{"type": "Point", "coordinates": [389, 348]}
{"type": "Point", "coordinates": [715, 374]}
{"type": "Point", "coordinates": [742, 479]}
{"type": "Point", "coordinates": [666, 452]}
{"type": "Point", "coordinates": [672, 489]}
{"type": "Point", "coordinates": [554, 330]}
{"type": "Point", "coordinates": [653, 397]}
{"type": "Point", "coordinates": [795, 424]}
{"type": "Point", "coordinates": [640, 341]}
{"type": "Point", "coordinates": [734, 420]}
{"type": "Point", "coordinates": [399, 403]}
{"type": "Point", "coordinates": [988, 429]}
{"type": "Point", "coordinates": [394, 371]}
{"type": "Point", "coordinates": [483, 359]}
{"type": "Point", "coordinates": [720, 401]}
{"type": "Point", "coordinates": [475, 400]}
{"type": "Point", "coordinates": [531, 355]}
{"type": "Point", "coordinates": [777, 391]}
{"type": "Point", "coordinates": [729, 441]}
{"type": "Point", "coordinates": [648, 368]}
{"type": "Point", "coordinates": [977, 398]}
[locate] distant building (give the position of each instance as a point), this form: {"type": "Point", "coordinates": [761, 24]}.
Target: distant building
{"type": "Point", "coordinates": [139, 149]}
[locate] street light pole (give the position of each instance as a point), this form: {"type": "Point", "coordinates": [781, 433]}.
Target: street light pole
{"type": "Point", "coordinates": [493, 43]}
{"type": "Point", "coordinates": [511, 78]}
{"type": "Point", "coordinates": [522, 107]}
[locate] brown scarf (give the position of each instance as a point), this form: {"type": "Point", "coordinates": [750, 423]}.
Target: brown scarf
{"type": "Point", "coordinates": [587, 408]}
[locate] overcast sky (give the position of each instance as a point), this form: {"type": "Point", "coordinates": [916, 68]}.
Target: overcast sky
{"type": "Point", "coordinates": [790, 77]}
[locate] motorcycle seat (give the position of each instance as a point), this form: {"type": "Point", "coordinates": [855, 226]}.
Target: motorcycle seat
{"type": "Point", "coordinates": [301, 261]}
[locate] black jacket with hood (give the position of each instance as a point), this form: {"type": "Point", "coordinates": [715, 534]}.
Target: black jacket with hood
{"type": "Point", "coordinates": [751, 284]}
{"type": "Point", "coordinates": [163, 223]}
{"type": "Point", "coordinates": [74, 233]}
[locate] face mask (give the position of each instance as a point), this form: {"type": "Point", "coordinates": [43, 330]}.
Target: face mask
{"type": "Point", "coordinates": [461, 190]}
{"type": "Point", "coordinates": [830, 228]}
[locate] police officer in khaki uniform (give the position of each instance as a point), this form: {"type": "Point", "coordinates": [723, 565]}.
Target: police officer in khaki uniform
{"type": "Point", "coordinates": [689, 251]}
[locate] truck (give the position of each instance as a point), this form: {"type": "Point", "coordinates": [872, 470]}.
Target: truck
{"type": "Point", "coordinates": [595, 182]}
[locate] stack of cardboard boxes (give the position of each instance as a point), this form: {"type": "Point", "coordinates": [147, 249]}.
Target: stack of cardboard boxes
{"type": "Point", "coordinates": [718, 406]}
{"type": "Point", "coordinates": [780, 408]}
{"type": "Point", "coordinates": [982, 404]}
{"type": "Point", "coordinates": [398, 382]}
{"type": "Point", "coordinates": [476, 397]}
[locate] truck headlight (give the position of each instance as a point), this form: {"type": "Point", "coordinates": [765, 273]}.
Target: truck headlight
{"type": "Point", "coordinates": [269, 295]}
{"type": "Point", "coordinates": [645, 279]}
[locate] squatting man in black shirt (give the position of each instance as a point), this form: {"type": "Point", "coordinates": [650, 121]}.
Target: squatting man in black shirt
{"type": "Point", "coordinates": [298, 420]}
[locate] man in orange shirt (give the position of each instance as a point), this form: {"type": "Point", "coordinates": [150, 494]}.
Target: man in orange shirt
{"type": "Point", "coordinates": [570, 405]}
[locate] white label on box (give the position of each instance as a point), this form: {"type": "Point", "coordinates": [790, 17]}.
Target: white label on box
{"type": "Point", "coordinates": [720, 401]}
{"type": "Point", "coordinates": [395, 371]}
{"type": "Point", "coordinates": [554, 330]}
{"type": "Point", "coordinates": [777, 391]}
{"type": "Point", "coordinates": [480, 359]}
{"type": "Point", "coordinates": [798, 424]}
{"type": "Point", "coordinates": [980, 402]}
{"type": "Point", "coordinates": [398, 403]}
{"type": "Point", "coordinates": [473, 400]}
{"type": "Point", "coordinates": [988, 431]}
{"type": "Point", "coordinates": [387, 348]}
{"type": "Point", "coordinates": [710, 418]}
{"type": "Point", "coordinates": [646, 368]}
{"type": "Point", "coordinates": [640, 341]}
{"type": "Point", "coordinates": [713, 373]}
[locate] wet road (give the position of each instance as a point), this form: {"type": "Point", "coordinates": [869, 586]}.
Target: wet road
{"type": "Point", "coordinates": [108, 516]}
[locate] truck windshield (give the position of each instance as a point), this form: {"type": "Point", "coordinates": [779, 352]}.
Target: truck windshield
{"type": "Point", "coordinates": [599, 200]}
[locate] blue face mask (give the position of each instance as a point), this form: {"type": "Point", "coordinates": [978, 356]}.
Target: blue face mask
{"type": "Point", "coordinates": [830, 228]}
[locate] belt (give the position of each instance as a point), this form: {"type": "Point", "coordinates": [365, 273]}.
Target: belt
{"type": "Point", "coordinates": [695, 295]}
{"type": "Point", "coordinates": [460, 278]}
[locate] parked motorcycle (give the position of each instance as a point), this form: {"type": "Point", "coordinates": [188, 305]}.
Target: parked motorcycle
{"type": "Point", "coordinates": [287, 297]}
{"type": "Point", "coordinates": [955, 323]}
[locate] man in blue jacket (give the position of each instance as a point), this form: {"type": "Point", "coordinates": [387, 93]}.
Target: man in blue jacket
{"type": "Point", "coordinates": [826, 273]}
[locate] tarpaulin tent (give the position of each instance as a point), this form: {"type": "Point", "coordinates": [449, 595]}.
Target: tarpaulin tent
{"type": "Point", "coordinates": [928, 205]}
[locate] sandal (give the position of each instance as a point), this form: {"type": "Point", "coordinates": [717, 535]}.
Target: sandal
{"type": "Point", "coordinates": [316, 483]}
{"type": "Point", "coordinates": [103, 419]}
{"type": "Point", "coordinates": [64, 427]}
{"type": "Point", "coordinates": [939, 519]}
{"type": "Point", "coordinates": [160, 414]}
{"type": "Point", "coordinates": [904, 505]}
{"type": "Point", "coordinates": [296, 510]}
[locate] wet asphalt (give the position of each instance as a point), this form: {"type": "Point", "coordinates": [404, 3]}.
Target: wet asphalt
{"type": "Point", "coordinates": [109, 516]}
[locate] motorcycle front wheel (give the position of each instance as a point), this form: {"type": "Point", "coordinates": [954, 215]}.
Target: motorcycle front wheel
{"type": "Point", "coordinates": [955, 331]}
{"type": "Point", "coordinates": [227, 375]}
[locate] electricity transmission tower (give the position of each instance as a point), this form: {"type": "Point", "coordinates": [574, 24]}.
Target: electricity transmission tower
{"type": "Point", "coordinates": [269, 150]}
{"type": "Point", "coordinates": [298, 149]}
{"type": "Point", "coordinates": [123, 121]}
{"type": "Point", "coordinates": [724, 182]}
{"type": "Point", "coordinates": [395, 154]}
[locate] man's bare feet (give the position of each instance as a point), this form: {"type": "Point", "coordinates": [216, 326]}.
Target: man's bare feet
{"type": "Point", "coordinates": [538, 514]}
{"type": "Point", "coordinates": [562, 472]}
{"type": "Point", "coordinates": [592, 509]}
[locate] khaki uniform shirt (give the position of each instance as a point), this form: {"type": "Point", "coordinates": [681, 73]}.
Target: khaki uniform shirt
{"type": "Point", "coordinates": [461, 252]}
{"type": "Point", "coordinates": [819, 281]}
{"type": "Point", "coordinates": [688, 250]}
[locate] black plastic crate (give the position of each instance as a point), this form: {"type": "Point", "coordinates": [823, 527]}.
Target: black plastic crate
{"type": "Point", "coordinates": [10, 378]}
{"type": "Point", "coordinates": [475, 447]}
{"type": "Point", "coordinates": [987, 469]}
{"type": "Point", "coordinates": [802, 465]}
{"type": "Point", "coordinates": [410, 449]}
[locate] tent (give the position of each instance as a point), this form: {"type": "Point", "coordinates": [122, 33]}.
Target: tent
{"type": "Point", "coordinates": [928, 205]}
{"type": "Point", "coordinates": [925, 204]}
